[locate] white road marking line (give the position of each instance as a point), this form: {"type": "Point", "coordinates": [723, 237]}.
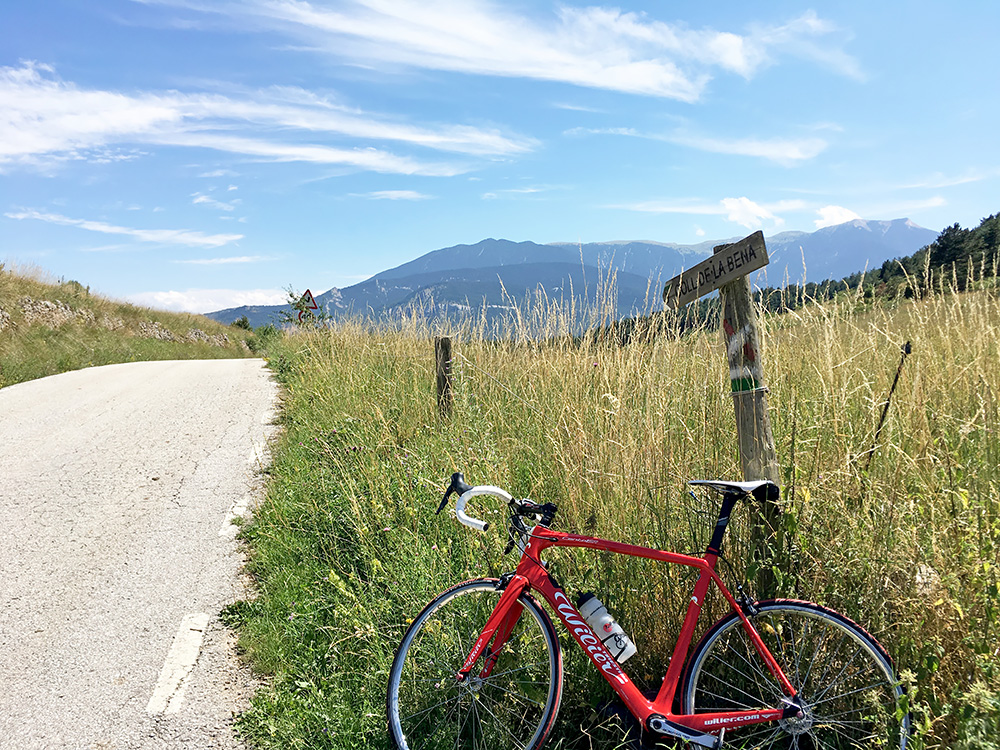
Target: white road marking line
{"type": "Point", "coordinates": [238, 510]}
{"type": "Point", "coordinates": [256, 455]}
{"type": "Point", "coordinates": [169, 691]}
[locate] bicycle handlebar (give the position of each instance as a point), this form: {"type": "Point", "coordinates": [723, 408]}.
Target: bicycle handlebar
{"type": "Point", "coordinates": [466, 492]}
{"type": "Point", "coordinates": [475, 523]}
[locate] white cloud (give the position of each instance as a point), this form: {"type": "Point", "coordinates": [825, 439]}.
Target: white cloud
{"type": "Point", "coordinates": [47, 119]}
{"type": "Point", "coordinates": [745, 212]}
{"type": "Point", "coordinates": [202, 199]}
{"type": "Point", "coordinates": [939, 180]}
{"type": "Point", "coordinates": [208, 300]}
{"type": "Point", "coordinates": [782, 151]}
{"type": "Point", "coordinates": [513, 192]}
{"type": "Point", "coordinates": [187, 237]}
{"type": "Point", "coordinates": [831, 216]}
{"type": "Point", "coordinates": [785, 151]}
{"type": "Point", "coordinates": [742, 211]}
{"type": "Point", "coordinates": [394, 195]}
{"type": "Point", "coordinates": [224, 261]}
{"type": "Point", "coordinates": [797, 39]}
{"type": "Point", "coordinates": [595, 47]}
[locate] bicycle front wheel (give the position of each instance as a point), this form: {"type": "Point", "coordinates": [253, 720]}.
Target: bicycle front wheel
{"type": "Point", "coordinates": [514, 706]}
{"type": "Point", "coordinates": [848, 693]}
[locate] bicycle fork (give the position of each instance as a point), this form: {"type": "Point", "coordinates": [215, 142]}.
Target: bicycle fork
{"type": "Point", "coordinates": [498, 628]}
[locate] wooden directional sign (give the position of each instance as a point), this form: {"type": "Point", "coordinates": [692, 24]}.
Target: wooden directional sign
{"type": "Point", "coordinates": [729, 263]}
{"type": "Point", "coordinates": [308, 302]}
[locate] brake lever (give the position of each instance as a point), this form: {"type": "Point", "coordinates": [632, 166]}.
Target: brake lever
{"type": "Point", "coordinates": [444, 500]}
{"type": "Point", "coordinates": [458, 485]}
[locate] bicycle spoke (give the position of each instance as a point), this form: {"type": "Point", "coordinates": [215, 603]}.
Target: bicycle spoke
{"type": "Point", "coordinates": [511, 709]}
{"type": "Point", "coordinates": [503, 725]}
{"type": "Point", "coordinates": [430, 708]}
{"type": "Point", "coordinates": [728, 699]}
{"type": "Point", "coordinates": [852, 692]}
{"type": "Point", "coordinates": [768, 679]}
{"type": "Point", "coordinates": [516, 669]}
{"type": "Point", "coordinates": [853, 684]}
{"type": "Point", "coordinates": [518, 696]}
{"type": "Point", "coordinates": [830, 660]}
{"type": "Point", "coordinates": [834, 681]}
{"type": "Point", "coordinates": [428, 737]}
{"type": "Point", "coordinates": [816, 652]}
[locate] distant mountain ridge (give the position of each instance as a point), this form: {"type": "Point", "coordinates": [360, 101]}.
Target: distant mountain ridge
{"type": "Point", "coordinates": [492, 274]}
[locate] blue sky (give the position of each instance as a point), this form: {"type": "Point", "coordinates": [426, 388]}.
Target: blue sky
{"type": "Point", "coordinates": [200, 154]}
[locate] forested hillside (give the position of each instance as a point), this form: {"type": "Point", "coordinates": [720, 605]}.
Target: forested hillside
{"type": "Point", "coordinates": [957, 259]}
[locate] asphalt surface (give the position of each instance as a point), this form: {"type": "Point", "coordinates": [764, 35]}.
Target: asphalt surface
{"type": "Point", "coordinates": [116, 552]}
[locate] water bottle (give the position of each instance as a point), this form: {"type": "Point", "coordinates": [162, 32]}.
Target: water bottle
{"type": "Point", "coordinates": [605, 627]}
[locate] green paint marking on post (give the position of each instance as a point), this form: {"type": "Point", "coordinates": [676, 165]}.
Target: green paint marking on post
{"type": "Point", "coordinates": [741, 385]}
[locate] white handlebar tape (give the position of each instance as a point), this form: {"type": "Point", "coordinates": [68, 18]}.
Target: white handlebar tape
{"type": "Point", "coordinates": [475, 523]}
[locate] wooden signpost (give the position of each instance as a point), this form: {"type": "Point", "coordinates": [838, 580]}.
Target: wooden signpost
{"type": "Point", "coordinates": [727, 271]}
{"type": "Point", "coordinates": [730, 263]}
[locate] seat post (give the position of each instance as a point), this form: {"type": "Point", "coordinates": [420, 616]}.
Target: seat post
{"type": "Point", "coordinates": [728, 503]}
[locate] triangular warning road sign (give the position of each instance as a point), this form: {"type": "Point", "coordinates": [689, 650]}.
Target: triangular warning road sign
{"type": "Point", "coordinates": [308, 302]}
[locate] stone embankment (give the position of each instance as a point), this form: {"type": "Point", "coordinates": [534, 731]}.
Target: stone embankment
{"type": "Point", "coordinates": [56, 313]}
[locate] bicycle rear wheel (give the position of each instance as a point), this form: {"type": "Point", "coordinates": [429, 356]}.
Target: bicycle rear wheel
{"type": "Point", "coordinates": [848, 692]}
{"type": "Point", "coordinates": [513, 707]}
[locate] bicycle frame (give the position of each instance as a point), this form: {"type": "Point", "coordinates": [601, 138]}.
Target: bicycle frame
{"type": "Point", "coordinates": [531, 576]}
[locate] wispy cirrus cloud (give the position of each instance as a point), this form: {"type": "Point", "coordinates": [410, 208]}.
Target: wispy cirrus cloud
{"type": "Point", "coordinates": [47, 119]}
{"type": "Point", "coordinates": [940, 180]}
{"type": "Point", "coordinates": [394, 195]}
{"type": "Point", "coordinates": [224, 261]}
{"type": "Point", "coordinates": [594, 47]}
{"type": "Point", "coordinates": [784, 151]}
{"type": "Point", "coordinates": [515, 192]}
{"type": "Point", "coordinates": [742, 210]}
{"type": "Point", "coordinates": [186, 237]}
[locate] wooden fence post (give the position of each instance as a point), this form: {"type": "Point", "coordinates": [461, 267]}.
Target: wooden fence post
{"type": "Point", "coordinates": [758, 455]}
{"type": "Point", "coordinates": [442, 356]}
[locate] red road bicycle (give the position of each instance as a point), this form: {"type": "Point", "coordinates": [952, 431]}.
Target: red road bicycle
{"type": "Point", "coordinates": [481, 666]}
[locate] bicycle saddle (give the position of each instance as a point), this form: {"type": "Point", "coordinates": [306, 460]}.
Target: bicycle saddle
{"type": "Point", "coordinates": [738, 488]}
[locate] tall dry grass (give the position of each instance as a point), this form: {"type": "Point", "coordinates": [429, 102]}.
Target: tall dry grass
{"type": "Point", "coordinates": [904, 539]}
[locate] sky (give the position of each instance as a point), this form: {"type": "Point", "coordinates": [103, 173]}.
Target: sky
{"type": "Point", "coordinates": [203, 154]}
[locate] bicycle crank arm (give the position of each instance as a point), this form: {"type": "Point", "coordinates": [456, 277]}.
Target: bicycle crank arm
{"type": "Point", "coordinates": [660, 725]}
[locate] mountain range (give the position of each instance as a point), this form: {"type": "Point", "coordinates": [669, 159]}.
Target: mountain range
{"type": "Point", "coordinates": [494, 274]}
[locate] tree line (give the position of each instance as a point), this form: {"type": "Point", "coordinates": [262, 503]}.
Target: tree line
{"type": "Point", "coordinates": [957, 260]}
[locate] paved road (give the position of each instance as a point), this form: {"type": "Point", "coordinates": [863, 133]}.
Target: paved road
{"type": "Point", "coordinates": [116, 487]}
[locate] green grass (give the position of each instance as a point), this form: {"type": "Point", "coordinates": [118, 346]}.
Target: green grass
{"type": "Point", "coordinates": [345, 547]}
{"type": "Point", "coordinates": [48, 327]}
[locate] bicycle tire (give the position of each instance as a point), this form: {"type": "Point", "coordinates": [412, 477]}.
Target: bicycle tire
{"type": "Point", "coordinates": [515, 706]}
{"type": "Point", "coordinates": [850, 695]}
